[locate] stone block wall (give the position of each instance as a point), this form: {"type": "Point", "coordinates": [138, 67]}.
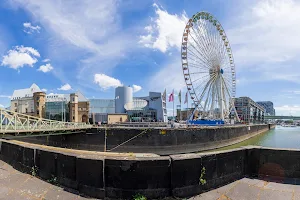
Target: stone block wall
{"type": "Point", "coordinates": [154, 177]}
{"type": "Point", "coordinates": [166, 142]}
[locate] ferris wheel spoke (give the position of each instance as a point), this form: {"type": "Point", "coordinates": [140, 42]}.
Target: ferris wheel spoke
{"type": "Point", "coordinates": [197, 66]}
{"type": "Point", "coordinates": [200, 64]}
{"type": "Point", "coordinates": [198, 58]}
{"type": "Point", "coordinates": [201, 42]}
{"type": "Point", "coordinates": [208, 94]}
{"type": "Point", "coordinates": [201, 85]}
{"type": "Point", "coordinates": [205, 60]}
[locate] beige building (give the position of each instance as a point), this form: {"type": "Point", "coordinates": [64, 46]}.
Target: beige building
{"type": "Point", "coordinates": [62, 107]}
{"type": "Point", "coordinates": [39, 99]}
{"type": "Point", "coordinates": [117, 118]}
{"type": "Point", "coordinates": [22, 100]}
{"type": "Point", "coordinates": [79, 111]}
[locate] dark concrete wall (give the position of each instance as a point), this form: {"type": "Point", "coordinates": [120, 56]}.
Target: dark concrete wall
{"type": "Point", "coordinates": [154, 177]}
{"type": "Point", "coordinates": [172, 141]}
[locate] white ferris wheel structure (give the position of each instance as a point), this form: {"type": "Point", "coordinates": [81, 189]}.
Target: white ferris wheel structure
{"type": "Point", "coordinates": [208, 67]}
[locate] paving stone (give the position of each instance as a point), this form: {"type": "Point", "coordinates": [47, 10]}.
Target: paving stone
{"type": "Point", "coordinates": [267, 194]}
{"type": "Point", "coordinates": [280, 187]}
{"type": "Point", "coordinates": [296, 192]}
{"type": "Point", "coordinates": [4, 173]}
{"type": "Point", "coordinates": [261, 184]}
{"type": "Point", "coordinates": [14, 181]}
{"type": "Point", "coordinates": [60, 194]}
{"type": "Point", "coordinates": [224, 189]}
{"type": "Point", "coordinates": [17, 196]}
{"type": "Point", "coordinates": [250, 181]}
{"type": "Point", "coordinates": [4, 192]}
{"type": "Point", "coordinates": [211, 195]}
{"type": "Point", "coordinates": [34, 187]}
{"type": "Point", "coordinates": [243, 191]}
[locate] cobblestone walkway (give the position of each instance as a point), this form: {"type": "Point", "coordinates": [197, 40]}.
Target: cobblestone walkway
{"type": "Point", "coordinates": [15, 185]}
{"type": "Point", "coordinates": [252, 189]}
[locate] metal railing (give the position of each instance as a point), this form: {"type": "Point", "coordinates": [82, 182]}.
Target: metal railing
{"type": "Point", "coordinates": [16, 122]}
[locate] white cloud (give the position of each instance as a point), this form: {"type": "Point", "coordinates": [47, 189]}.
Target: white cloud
{"type": "Point", "coordinates": [136, 88]}
{"type": "Point", "coordinates": [1, 106]}
{"type": "Point", "coordinates": [287, 110]}
{"type": "Point", "coordinates": [80, 23]}
{"type": "Point", "coordinates": [44, 90]}
{"type": "Point", "coordinates": [165, 30]}
{"type": "Point", "coordinates": [106, 82]}
{"type": "Point", "coordinates": [265, 39]}
{"type": "Point", "coordinates": [77, 26]}
{"type": "Point", "coordinates": [65, 87]}
{"type": "Point", "coordinates": [20, 56]}
{"type": "Point", "coordinates": [46, 60]}
{"type": "Point", "coordinates": [45, 68]}
{"type": "Point", "coordinates": [28, 28]}
{"type": "Point", "coordinates": [5, 96]}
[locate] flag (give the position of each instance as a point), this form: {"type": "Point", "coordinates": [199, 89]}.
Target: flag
{"type": "Point", "coordinates": [171, 97]}
{"type": "Point", "coordinates": [164, 96]}
{"type": "Point", "coordinates": [186, 98]}
{"type": "Point", "coordinates": [179, 96]}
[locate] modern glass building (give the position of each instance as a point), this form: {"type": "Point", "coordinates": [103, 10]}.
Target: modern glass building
{"type": "Point", "coordinates": [248, 111]}
{"type": "Point", "coordinates": [268, 105]}
{"type": "Point", "coordinates": [99, 108]}
{"type": "Point", "coordinates": [58, 110]}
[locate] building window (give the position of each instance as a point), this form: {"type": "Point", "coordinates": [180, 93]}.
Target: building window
{"type": "Point", "coordinates": [37, 98]}
{"type": "Point", "coordinates": [16, 104]}
{"type": "Point", "coordinates": [73, 99]}
{"type": "Point", "coordinates": [73, 117]}
{"type": "Point", "coordinates": [26, 110]}
{"type": "Point", "coordinates": [16, 110]}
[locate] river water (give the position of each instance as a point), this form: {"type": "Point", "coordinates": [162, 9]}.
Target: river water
{"type": "Point", "coordinates": [280, 137]}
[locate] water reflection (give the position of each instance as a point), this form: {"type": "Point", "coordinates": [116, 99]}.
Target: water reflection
{"type": "Point", "coordinates": [280, 137]}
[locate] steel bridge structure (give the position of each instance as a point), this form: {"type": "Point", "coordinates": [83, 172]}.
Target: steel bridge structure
{"type": "Point", "coordinates": [282, 117]}
{"type": "Point", "coordinates": [13, 122]}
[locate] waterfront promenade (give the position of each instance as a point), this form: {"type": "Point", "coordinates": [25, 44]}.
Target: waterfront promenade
{"type": "Point", "coordinates": [15, 185]}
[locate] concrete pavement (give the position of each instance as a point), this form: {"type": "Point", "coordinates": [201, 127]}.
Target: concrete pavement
{"type": "Point", "coordinates": [15, 185]}
{"type": "Point", "coordinates": [252, 189]}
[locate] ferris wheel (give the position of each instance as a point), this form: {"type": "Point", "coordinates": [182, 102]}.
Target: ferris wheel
{"type": "Point", "coordinates": [208, 66]}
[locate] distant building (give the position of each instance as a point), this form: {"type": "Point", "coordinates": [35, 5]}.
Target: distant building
{"type": "Point", "coordinates": [149, 108]}
{"type": "Point", "coordinates": [248, 111]}
{"type": "Point", "coordinates": [22, 100]}
{"type": "Point", "coordinates": [268, 105]}
{"type": "Point", "coordinates": [32, 101]}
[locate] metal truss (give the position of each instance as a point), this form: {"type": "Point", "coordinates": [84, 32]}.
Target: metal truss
{"type": "Point", "coordinates": [16, 122]}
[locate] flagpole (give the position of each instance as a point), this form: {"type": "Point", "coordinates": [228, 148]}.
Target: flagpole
{"type": "Point", "coordinates": [173, 105]}
{"type": "Point", "coordinates": [187, 106]}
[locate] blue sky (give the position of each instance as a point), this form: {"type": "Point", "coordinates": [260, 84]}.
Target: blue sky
{"type": "Point", "coordinates": [94, 46]}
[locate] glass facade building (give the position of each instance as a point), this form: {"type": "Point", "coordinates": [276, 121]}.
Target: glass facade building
{"type": "Point", "coordinates": [58, 110]}
{"type": "Point", "coordinates": [248, 111]}
{"type": "Point", "coordinates": [144, 115]}
{"type": "Point", "coordinates": [268, 105]}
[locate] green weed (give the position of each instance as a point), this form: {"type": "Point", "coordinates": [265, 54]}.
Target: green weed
{"type": "Point", "coordinates": [139, 197]}
{"type": "Point", "coordinates": [202, 181]}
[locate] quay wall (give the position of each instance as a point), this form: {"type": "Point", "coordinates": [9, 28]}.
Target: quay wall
{"type": "Point", "coordinates": [155, 177]}
{"type": "Point", "coordinates": [162, 141]}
